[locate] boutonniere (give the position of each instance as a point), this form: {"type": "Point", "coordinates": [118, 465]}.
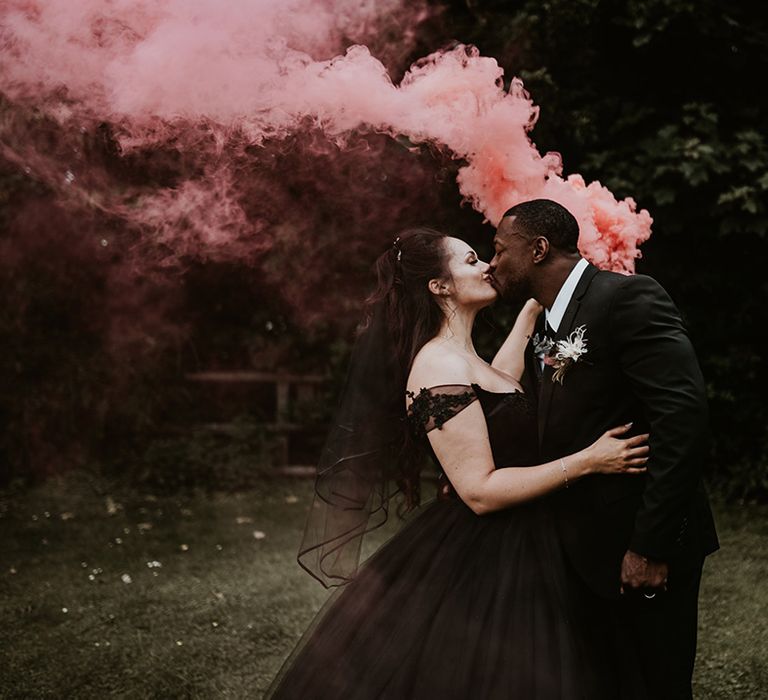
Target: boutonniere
{"type": "Point", "coordinates": [542, 345]}
{"type": "Point", "coordinates": [561, 354]}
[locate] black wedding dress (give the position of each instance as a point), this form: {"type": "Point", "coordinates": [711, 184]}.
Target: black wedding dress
{"type": "Point", "coordinates": [461, 606]}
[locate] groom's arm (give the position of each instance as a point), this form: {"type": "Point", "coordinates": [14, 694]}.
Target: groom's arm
{"type": "Point", "coordinates": [657, 358]}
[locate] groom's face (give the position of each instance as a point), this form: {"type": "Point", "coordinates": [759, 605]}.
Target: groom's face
{"type": "Point", "coordinates": [511, 266]}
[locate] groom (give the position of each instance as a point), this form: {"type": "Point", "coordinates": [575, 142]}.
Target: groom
{"type": "Point", "coordinates": [638, 541]}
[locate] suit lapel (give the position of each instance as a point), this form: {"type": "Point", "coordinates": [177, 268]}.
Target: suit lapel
{"type": "Point", "coordinates": [566, 325]}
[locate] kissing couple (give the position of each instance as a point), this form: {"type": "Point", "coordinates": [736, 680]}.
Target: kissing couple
{"type": "Point", "coordinates": [562, 556]}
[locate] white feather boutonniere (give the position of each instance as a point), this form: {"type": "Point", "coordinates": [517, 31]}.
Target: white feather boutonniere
{"type": "Point", "coordinates": [561, 355]}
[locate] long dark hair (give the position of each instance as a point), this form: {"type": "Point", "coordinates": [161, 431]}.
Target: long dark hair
{"type": "Point", "coordinates": [412, 317]}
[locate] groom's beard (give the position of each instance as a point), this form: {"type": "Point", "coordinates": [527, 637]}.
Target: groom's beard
{"type": "Point", "coordinates": [513, 292]}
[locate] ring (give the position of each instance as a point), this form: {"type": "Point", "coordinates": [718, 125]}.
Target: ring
{"type": "Point", "coordinates": [650, 597]}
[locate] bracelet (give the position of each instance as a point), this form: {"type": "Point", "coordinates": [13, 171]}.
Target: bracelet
{"type": "Point", "coordinates": [565, 471]}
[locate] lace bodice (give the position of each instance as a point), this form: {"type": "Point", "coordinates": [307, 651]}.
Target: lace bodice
{"type": "Point", "coordinates": [510, 419]}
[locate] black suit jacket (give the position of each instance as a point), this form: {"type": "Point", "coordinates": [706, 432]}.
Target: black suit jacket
{"type": "Point", "coordinates": [640, 366]}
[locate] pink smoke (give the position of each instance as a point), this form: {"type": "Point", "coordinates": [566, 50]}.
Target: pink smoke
{"type": "Point", "coordinates": [217, 79]}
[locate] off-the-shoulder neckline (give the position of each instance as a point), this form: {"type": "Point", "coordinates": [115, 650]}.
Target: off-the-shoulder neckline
{"type": "Point", "coordinates": [473, 385]}
{"type": "Point", "coordinates": [488, 391]}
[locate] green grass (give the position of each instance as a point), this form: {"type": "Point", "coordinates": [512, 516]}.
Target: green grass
{"type": "Point", "coordinates": [224, 607]}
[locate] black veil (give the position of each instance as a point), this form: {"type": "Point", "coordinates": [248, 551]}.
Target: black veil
{"type": "Point", "coordinates": [357, 471]}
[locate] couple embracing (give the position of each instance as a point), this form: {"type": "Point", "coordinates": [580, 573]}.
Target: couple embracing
{"type": "Point", "coordinates": [562, 556]}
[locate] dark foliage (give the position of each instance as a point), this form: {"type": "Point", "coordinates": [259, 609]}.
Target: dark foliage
{"type": "Point", "coordinates": [657, 99]}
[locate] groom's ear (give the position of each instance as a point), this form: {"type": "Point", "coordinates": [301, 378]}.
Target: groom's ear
{"type": "Point", "coordinates": [540, 249]}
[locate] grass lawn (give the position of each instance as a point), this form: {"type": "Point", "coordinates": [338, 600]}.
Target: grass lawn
{"type": "Point", "coordinates": [129, 595]}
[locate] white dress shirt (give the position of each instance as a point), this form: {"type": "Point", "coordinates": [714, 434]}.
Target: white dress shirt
{"type": "Point", "coordinates": [554, 315]}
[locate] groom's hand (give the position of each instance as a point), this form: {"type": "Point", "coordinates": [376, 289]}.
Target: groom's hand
{"type": "Point", "coordinates": [641, 574]}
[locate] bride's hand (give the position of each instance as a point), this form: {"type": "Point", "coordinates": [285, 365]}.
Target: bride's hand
{"type": "Point", "coordinates": [610, 454]}
{"type": "Point", "coordinates": [533, 307]}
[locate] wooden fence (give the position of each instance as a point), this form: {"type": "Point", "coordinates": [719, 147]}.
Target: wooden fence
{"type": "Point", "coordinates": [281, 425]}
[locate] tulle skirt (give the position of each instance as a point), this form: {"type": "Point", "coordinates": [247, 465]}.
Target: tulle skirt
{"type": "Point", "coordinates": [458, 605]}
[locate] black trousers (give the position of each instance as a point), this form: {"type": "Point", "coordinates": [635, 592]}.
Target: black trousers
{"type": "Point", "coordinates": [664, 631]}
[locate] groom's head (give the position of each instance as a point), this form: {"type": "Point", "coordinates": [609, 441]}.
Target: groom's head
{"type": "Point", "coordinates": [531, 239]}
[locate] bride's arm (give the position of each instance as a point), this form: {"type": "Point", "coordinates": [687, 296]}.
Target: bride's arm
{"type": "Point", "coordinates": [510, 358]}
{"type": "Point", "coordinates": [464, 452]}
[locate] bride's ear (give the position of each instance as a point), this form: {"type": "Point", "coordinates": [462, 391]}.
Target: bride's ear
{"type": "Point", "coordinates": [438, 287]}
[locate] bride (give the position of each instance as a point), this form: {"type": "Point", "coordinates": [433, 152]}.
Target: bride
{"type": "Point", "coordinates": [474, 597]}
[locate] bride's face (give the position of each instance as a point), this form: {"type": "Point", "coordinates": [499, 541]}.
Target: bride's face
{"type": "Point", "coordinates": [468, 283]}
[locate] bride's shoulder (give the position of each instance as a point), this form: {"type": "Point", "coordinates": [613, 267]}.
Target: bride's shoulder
{"type": "Point", "coordinates": [436, 366]}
